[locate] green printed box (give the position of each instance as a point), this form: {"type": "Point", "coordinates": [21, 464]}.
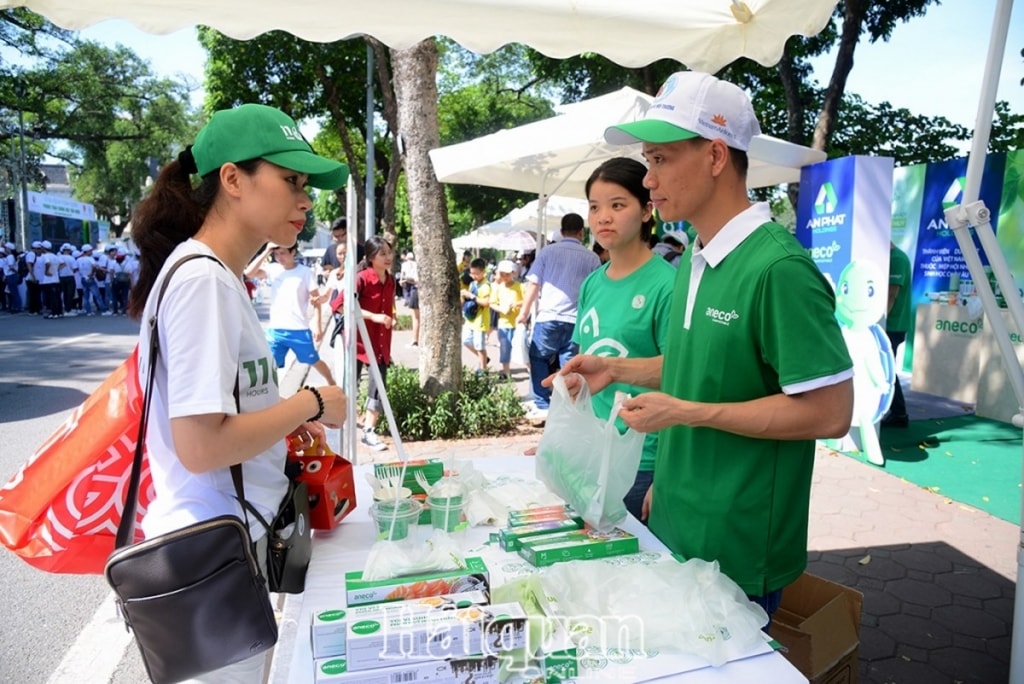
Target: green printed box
{"type": "Point", "coordinates": [580, 545]}
{"type": "Point", "coordinates": [474, 577]}
{"type": "Point", "coordinates": [480, 670]}
{"type": "Point", "coordinates": [528, 516]}
{"type": "Point", "coordinates": [383, 639]}
{"type": "Point", "coordinates": [432, 469]}
{"type": "Point", "coordinates": [329, 624]}
{"type": "Point", "coordinates": [510, 538]}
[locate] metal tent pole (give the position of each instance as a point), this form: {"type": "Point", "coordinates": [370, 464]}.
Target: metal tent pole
{"type": "Point", "coordinates": [974, 212]}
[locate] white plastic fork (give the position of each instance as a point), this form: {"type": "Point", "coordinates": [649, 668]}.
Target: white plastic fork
{"type": "Point", "coordinates": [422, 481]}
{"type": "Point", "coordinates": [392, 475]}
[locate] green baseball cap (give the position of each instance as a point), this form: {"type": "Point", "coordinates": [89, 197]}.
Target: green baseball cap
{"type": "Point", "coordinates": [254, 131]}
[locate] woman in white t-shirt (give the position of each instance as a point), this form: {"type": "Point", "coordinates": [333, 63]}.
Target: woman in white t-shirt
{"type": "Point", "coordinates": [254, 166]}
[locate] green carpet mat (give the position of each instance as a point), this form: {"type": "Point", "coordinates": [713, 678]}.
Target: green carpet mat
{"type": "Point", "coordinates": [972, 460]}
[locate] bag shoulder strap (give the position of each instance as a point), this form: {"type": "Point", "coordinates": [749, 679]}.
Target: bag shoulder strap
{"type": "Point", "coordinates": [126, 527]}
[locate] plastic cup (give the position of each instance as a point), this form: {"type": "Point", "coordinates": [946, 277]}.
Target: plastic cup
{"type": "Point", "coordinates": [446, 513]}
{"type": "Point", "coordinates": [395, 517]}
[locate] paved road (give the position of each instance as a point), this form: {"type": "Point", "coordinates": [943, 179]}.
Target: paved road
{"type": "Point", "coordinates": [47, 367]}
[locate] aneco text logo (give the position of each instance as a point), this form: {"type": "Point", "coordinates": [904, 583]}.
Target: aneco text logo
{"type": "Point", "coordinates": [721, 317]}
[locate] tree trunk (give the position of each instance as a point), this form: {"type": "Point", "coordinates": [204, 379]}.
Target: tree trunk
{"type": "Point", "coordinates": [390, 107]}
{"type": "Point", "coordinates": [415, 74]}
{"type": "Point", "coordinates": [853, 23]}
{"type": "Point", "coordinates": [795, 112]}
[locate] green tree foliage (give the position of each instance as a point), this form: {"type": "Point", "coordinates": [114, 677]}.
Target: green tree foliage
{"type": "Point", "coordinates": [101, 110]}
{"type": "Point", "coordinates": [319, 81]}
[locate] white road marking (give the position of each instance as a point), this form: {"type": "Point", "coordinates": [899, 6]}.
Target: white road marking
{"type": "Point", "coordinates": [98, 650]}
{"type": "Point", "coordinates": [69, 340]}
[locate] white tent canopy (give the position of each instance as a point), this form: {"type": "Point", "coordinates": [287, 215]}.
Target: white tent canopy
{"type": "Point", "coordinates": [558, 154]}
{"type": "Point", "coordinates": [703, 34]}
{"type": "Point", "coordinates": [554, 155]}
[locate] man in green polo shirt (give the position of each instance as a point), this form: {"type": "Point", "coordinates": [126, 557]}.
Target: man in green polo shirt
{"type": "Point", "coordinates": [755, 367]}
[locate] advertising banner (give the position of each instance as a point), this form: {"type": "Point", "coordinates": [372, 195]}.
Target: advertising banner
{"type": "Point", "coordinates": [924, 192]}
{"type": "Point", "coordinates": [843, 221]}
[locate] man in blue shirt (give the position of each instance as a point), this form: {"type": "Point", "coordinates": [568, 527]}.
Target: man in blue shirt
{"type": "Point", "coordinates": [554, 283]}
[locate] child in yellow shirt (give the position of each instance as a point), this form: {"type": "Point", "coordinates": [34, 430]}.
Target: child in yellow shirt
{"type": "Point", "coordinates": [507, 300]}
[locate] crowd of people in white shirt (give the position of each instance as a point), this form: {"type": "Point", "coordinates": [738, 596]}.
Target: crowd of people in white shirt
{"type": "Point", "coordinates": [68, 281]}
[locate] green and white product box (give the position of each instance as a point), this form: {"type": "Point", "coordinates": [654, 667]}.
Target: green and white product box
{"type": "Point", "coordinates": [474, 577]}
{"type": "Point", "coordinates": [329, 623]}
{"type": "Point", "coordinates": [433, 470]}
{"type": "Point", "coordinates": [511, 538]}
{"type": "Point", "coordinates": [382, 640]}
{"type": "Point", "coordinates": [527, 516]}
{"type": "Point", "coordinates": [480, 670]}
{"type": "Point", "coordinates": [579, 545]}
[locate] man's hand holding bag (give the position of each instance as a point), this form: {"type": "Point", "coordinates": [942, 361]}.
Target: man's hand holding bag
{"type": "Point", "coordinates": [586, 460]}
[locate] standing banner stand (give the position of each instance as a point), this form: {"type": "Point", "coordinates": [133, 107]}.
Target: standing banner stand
{"type": "Point", "coordinates": [843, 221]}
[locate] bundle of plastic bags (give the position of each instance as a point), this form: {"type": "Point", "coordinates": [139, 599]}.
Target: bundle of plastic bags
{"type": "Point", "coordinates": [667, 606]}
{"type": "Point", "coordinates": [584, 459]}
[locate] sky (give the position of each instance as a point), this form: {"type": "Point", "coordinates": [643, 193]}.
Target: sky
{"type": "Point", "coordinates": [932, 65]}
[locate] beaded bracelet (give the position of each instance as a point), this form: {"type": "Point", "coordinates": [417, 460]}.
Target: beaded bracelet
{"type": "Point", "coordinates": [319, 402]}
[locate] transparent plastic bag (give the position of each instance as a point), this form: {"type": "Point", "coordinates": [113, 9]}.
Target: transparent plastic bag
{"type": "Point", "coordinates": [666, 606]}
{"type": "Point", "coordinates": [585, 460]}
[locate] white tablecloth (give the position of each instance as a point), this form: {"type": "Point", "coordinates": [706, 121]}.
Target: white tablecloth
{"type": "Point", "coordinates": [345, 549]}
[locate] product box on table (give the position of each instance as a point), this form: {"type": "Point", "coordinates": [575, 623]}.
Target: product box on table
{"type": "Point", "coordinates": [528, 516]}
{"type": "Point", "coordinates": [332, 489]}
{"type": "Point", "coordinates": [473, 577]}
{"type": "Point", "coordinates": [477, 669]}
{"type": "Point", "coordinates": [577, 545]}
{"type": "Point", "coordinates": [818, 622]}
{"type": "Point", "coordinates": [329, 624]}
{"type": "Point", "coordinates": [380, 640]}
{"type": "Point", "coordinates": [511, 538]}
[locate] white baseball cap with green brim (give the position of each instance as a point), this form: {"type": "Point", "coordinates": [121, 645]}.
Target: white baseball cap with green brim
{"type": "Point", "coordinates": [254, 131]}
{"type": "Point", "coordinates": [691, 105]}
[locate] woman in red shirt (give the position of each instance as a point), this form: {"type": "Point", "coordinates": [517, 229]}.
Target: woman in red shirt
{"type": "Point", "coordinates": [375, 292]}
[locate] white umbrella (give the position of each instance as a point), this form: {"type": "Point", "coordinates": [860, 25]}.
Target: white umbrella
{"type": "Point", "coordinates": [547, 157]}
{"type": "Point", "coordinates": [517, 240]}
{"type": "Point", "coordinates": [703, 34]}
{"type": "Point", "coordinates": [558, 154]}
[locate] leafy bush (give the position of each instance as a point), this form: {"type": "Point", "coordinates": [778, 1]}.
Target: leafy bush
{"type": "Point", "coordinates": [485, 406]}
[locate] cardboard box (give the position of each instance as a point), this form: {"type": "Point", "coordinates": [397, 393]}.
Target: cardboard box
{"type": "Point", "coordinates": [818, 624]}
{"type": "Point", "coordinates": [480, 670]}
{"type": "Point", "coordinates": [473, 577]}
{"type": "Point", "coordinates": [329, 624]}
{"type": "Point", "coordinates": [332, 490]}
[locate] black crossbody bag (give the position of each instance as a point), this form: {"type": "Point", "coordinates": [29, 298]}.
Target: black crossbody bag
{"type": "Point", "coordinates": [194, 598]}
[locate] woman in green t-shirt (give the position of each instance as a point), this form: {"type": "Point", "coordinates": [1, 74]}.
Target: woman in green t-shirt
{"type": "Point", "coordinates": [624, 305]}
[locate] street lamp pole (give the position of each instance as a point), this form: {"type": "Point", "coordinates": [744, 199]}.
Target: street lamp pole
{"type": "Point", "coordinates": [23, 177]}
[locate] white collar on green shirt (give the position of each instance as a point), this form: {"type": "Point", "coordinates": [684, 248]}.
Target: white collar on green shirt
{"type": "Point", "coordinates": [733, 233]}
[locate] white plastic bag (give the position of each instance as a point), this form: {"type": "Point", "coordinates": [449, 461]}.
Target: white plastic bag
{"type": "Point", "coordinates": [665, 606]}
{"type": "Point", "coordinates": [389, 559]}
{"type": "Point", "coordinates": [585, 460]}
{"type": "Point", "coordinates": [521, 346]}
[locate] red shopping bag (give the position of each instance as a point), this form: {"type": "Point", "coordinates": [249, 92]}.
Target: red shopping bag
{"type": "Point", "coordinates": [61, 510]}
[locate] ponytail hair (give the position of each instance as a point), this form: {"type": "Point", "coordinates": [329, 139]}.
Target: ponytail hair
{"type": "Point", "coordinates": [172, 213]}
